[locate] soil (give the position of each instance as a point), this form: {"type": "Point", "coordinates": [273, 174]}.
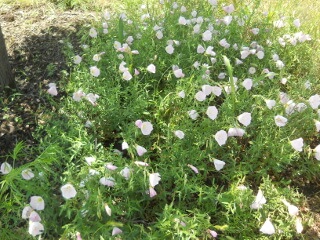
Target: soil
{"type": "Point", "coordinates": [35, 39]}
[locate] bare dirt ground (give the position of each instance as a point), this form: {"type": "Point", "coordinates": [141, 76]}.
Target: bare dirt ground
{"type": "Point", "coordinates": [35, 39]}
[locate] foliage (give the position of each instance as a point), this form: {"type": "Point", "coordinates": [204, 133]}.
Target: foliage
{"type": "Point", "coordinates": [135, 81]}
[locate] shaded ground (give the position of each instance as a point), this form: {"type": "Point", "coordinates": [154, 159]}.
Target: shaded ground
{"type": "Point", "coordinates": [35, 41]}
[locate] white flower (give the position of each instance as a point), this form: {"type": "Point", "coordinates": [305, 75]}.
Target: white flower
{"type": "Point", "coordinates": [200, 96]}
{"type": "Point", "coordinates": [317, 125]}
{"type": "Point", "coordinates": [37, 203]}
{"type": "Point", "coordinates": [242, 187]}
{"type": "Point", "coordinates": [159, 34]}
{"type": "Point", "coordinates": [92, 98]}
{"type": "Point", "coordinates": [179, 134]}
{"type": "Point", "coordinates": [212, 112]}
{"type": "Point", "coordinates": [90, 160]}
{"type": "Point", "coordinates": [293, 210]}
{"type": "Point", "coordinates": [94, 71]}
{"type": "Point", "coordinates": [178, 73]}
{"type": "Point", "coordinates": [213, 2]}
{"type": "Point", "coordinates": [78, 95]}
{"type": "Point", "coordinates": [244, 54]}
{"type": "Point", "coordinates": [138, 123]}
{"type": "Point", "coordinates": [52, 89]}
{"type": "Point", "coordinates": [27, 174]}
{"type": "Point", "coordinates": [218, 164]}
{"type": "Point", "coordinates": [200, 49]}
{"type": "Point", "coordinates": [227, 20]}
{"type": "Point", "coordinates": [35, 228]}
{"type": "Point", "coordinates": [224, 43]}
{"type": "Point", "coordinates": [228, 9]}
{"type": "Point", "coordinates": [125, 173]}
{"type": "Point", "coordinates": [247, 83]}
{"type": "Point", "coordinates": [108, 209]}
{"type": "Point", "coordinates": [244, 118]}
{"type": "Point", "coordinates": [143, 164]}
{"type": "Point", "coordinates": [301, 107]}
{"type": "Point", "coordinates": [252, 70]}
{"type": "Point", "coordinates": [146, 128]}
{"type": "Point", "coordinates": [255, 31]}
{"type": "Point", "coordinates": [77, 59]}
{"type": "Point", "coordinates": [279, 24]}
{"type": "Point", "coordinates": [207, 36]}
{"type": "Point", "coordinates": [235, 132]}
{"type": "Point", "coordinates": [110, 182]}
{"type": "Point", "coordinates": [222, 75]}
{"type": "Point", "coordinates": [154, 179]}
{"type": "Point", "coordinates": [196, 28]}
{"type": "Point", "coordinates": [93, 33]}
{"type": "Point", "coordinates": [275, 57]}
{"type": "Point", "coordinates": [299, 227]}
{"type": "Point", "coordinates": [290, 107]}
{"type": "Point", "coordinates": [213, 233]}
{"type": "Point", "coordinates": [116, 231]}
{"type": "Point", "coordinates": [284, 98]}
{"type": "Point", "coordinates": [182, 94]}
{"type": "Point", "coordinates": [151, 68]}
{"type": "Point", "coordinates": [182, 21]}
{"type": "Point", "coordinates": [221, 137]}
{"type": "Point", "coordinates": [314, 101]}
{"type": "Point", "coordinates": [296, 23]}
{"type": "Point", "coordinates": [267, 227]}
{"type": "Point", "coordinates": [169, 49]}
{"type": "Point", "coordinates": [96, 57]}
{"type": "Point", "coordinates": [270, 103]}
{"type": "Point", "coordinates": [140, 150]}
{"type": "Point", "coordinates": [207, 89]}
{"type": "Point", "coordinates": [216, 90]}
{"type": "Point", "coordinates": [124, 145]}
{"type": "Point", "coordinates": [152, 192]}
{"type": "Point", "coordinates": [111, 167]}
{"type": "Point", "coordinates": [68, 191]}
{"type": "Point", "coordinates": [126, 75]}
{"type": "Point", "coordinates": [317, 152]}
{"type": "Point", "coordinates": [279, 64]}
{"type": "Point", "coordinates": [34, 217]}
{"type": "Point", "coordinates": [258, 201]}
{"type": "Point", "coordinates": [193, 168]}
{"type": "Point", "coordinates": [92, 172]}
{"type": "Point", "coordinates": [297, 144]}
{"type": "Point", "coordinates": [280, 121]}
{"type": "Point", "coordinates": [26, 212]}
{"type": "Point", "coordinates": [5, 168]}
{"type": "Point", "coordinates": [193, 114]}
{"type": "Point", "coordinates": [260, 54]}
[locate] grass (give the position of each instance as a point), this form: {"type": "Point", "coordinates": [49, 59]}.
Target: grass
{"type": "Point", "coordinates": [208, 180]}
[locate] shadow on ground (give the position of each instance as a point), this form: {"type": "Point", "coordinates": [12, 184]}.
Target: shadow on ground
{"type": "Point", "coordinates": [36, 60]}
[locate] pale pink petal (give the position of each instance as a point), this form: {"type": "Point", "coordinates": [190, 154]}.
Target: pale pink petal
{"type": "Point", "coordinates": [193, 168]}
{"type": "Point", "coordinates": [152, 192]}
{"type": "Point", "coordinates": [139, 163]}
{"type": "Point", "coordinates": [116, 231]}
{"type": "Point", "coordinates": [111, 167]}
{"type": "Point", "coordinates": [140, 150]}
{"type": "Point", "coordinates": [138, 123]}
{"type": "Point", "coordinates": [154, 179]}
{"type": "Point", "coordinates": [151, 68]}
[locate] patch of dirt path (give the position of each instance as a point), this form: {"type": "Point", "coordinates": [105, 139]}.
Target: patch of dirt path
{"type": "Point", "coordinates": [34, 38]}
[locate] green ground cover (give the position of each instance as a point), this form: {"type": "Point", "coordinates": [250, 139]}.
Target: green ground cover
{"type": "Point", "coordinates": [178, 120]}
